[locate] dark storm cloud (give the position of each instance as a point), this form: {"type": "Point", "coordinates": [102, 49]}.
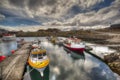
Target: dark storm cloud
{"type": "Point", "coordinates": [35, 4]}
{"type": "Point", "coordinates": [32, 4]}
{"type": "Point", "coordinates": [19, 3]}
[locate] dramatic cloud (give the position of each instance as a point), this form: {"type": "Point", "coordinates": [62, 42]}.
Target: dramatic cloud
{"type": "Point", "coordinates": [105, 16]}
{"type": "Point", "coordinates": [63, 12]}
{"type": "Point", "coordinates": [54, 8]}
{"type": "Point", "coordinates": [88, 3]}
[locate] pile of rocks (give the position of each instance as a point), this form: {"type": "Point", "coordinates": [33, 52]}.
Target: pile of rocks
{"type": "Point", "coordinates": [113, 60]}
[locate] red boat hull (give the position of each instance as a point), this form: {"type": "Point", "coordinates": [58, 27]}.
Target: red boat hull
{"type": "Point", "coordinates": [77, 50]}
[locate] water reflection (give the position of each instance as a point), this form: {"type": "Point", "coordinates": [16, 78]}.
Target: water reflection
{"type": "Point", "coordinates": [64, 67]}
{"type": "Point", "coordinates": [6, 47]}
{"type": "Point", "coordinates": [74, 55]}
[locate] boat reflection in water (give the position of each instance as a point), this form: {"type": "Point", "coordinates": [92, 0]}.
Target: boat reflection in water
{"type": "Point", "coordinates": [85, 67]}
{"type": "Point", "coordinates": [64, 67]}
{"type": "Point", "coordinates": [75, 55]}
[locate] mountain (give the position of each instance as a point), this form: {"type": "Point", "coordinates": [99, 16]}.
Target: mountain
{"type": "Point", "coordinates": [2, 31]}
{"type": "Point", "coordinates": [115, 26]}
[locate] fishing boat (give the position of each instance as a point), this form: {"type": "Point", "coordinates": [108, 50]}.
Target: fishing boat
{"type": "Point", "coordinates": [60, 41]}
{"type": "Point", "coordinates": [20, 42]}
{"type": "Point", "coordinates": [9, 37]}
{"type": "Point", "coordinates": [36, 44]}
{"type": "Point", "coordinates": [52, 39]}
{"type": "Point", "coordinates": [75, 45]}
{"type": "Point", "coordinates": [38, 64]}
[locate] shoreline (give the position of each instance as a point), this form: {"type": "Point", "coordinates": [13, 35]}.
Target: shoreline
{"type": "Point", "coordinates": [103, 37]}
{"type": "Point", "coordinates": [111, 59]}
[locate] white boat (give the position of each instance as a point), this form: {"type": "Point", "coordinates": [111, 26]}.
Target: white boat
{"type": "Point", "coordinates": [9, 37]}
{"type": "Point", "coordinates": [36, 44]}
{"type": "Point", "coordinates": [60, 41]}
{"type": "Point", "coordinates": [75, 45]}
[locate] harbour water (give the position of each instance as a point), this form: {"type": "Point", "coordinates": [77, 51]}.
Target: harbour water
{"type": "Point", "coordinates": [7, 46]}
{"type": "Point", "coordinates": [87, 67]}
{"type": "Point", "coordinates": [65, 67]}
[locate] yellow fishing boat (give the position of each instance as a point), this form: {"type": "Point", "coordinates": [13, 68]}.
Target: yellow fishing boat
{"type": "Point", "coordinates": [38, 60]}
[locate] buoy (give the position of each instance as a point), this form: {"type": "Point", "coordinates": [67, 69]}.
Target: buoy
{"type": "Point", "coordinates": [12, 51]}
{"type": "Point", "coordinates": [2, 58]}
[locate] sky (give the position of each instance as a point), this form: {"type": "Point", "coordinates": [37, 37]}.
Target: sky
{"type": "Point", "coordinates": [22, 13]}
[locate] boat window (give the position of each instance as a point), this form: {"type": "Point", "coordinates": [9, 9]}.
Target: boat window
{"type": "Point", "coordinates": [40, 57]}
{"type": "Point", "coordinates": [44, 54]}
{"type": "Point", "coordinates": [34, 55]}
{"type": "Point", "coordinates": [39, 54]}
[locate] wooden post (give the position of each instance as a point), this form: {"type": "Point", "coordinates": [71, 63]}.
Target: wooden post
{"type": "Point", "coordinates": [12, 68]}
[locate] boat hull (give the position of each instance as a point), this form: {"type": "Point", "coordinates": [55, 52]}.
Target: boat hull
{"type": "Point", "coordinates": [73, 54]}
{"type": "Point", "coordinates": [8, 38]}
{"type": "Point", "coordinates": [77, 50]}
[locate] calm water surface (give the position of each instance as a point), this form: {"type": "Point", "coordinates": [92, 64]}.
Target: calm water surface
{"type": "Point", "coordinates": [6, 47]}
{"type": "Point", "coordinates": [87, 67]}
{"type": "Point", "coordinates": [64, 67]}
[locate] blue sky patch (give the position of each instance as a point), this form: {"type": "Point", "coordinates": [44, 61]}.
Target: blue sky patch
{"type": "Point", "coordinates": [104, 4]}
